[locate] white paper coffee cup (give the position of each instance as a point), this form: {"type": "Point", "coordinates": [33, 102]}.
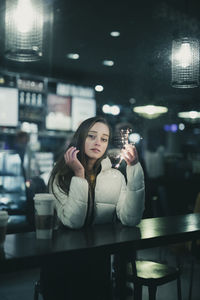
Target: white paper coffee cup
{"type": "Point", "coordinates": [3, 226]}
{"type": "Point", "coordinates": [44, 215]}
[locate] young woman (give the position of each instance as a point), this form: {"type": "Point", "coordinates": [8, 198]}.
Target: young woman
{"type": "Point", "coordinates": [89, 191]}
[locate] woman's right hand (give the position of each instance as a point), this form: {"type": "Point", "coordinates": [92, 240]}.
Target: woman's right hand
{"type": "Point", "coordinates": [73, 163]}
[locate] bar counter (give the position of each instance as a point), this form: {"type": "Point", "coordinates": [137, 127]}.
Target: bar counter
{"type": "Point", "coordinates": [23, 250]}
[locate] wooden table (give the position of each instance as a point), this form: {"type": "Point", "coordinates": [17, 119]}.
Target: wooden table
{"type": "Point", "coordinates": [23, 250]}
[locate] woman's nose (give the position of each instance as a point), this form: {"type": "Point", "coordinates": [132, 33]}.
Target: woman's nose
{"type": "Point", "coordinates": [97, 141]}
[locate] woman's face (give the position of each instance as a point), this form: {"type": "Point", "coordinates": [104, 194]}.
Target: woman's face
{"type": "Point", "coordinates": [97, 141]}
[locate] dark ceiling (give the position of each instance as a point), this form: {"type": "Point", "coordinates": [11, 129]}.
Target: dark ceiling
{"type": "Point", "coordinates": [141, 54]}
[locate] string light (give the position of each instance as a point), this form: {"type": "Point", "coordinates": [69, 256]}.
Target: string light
{"type": "Point", "coordinates": [124, 139]}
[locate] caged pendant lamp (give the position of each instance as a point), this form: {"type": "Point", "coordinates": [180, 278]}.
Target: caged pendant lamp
{"type": "Point", "coordinates": [23, 30]}
{"type": "Point", "coordinates": [185, 63]}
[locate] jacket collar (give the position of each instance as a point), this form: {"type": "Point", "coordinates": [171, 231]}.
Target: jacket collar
{"type": "Point", "coordinates": [106, 164]}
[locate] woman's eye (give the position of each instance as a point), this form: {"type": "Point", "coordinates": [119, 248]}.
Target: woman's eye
{"type": "Point", "coordinates": [91, 136]}
{"type": "Point", "coordinates": [104, 140]}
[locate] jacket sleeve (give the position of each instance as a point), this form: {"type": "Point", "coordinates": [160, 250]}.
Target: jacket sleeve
{"type": "Point", "coordinates": [72, 208]}
{"type": "Point", "coordinates": [130, 205]}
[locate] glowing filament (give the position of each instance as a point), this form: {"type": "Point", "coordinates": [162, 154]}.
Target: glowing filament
{"type": "Point", "coordinates": [184, 55]}
{"type": "Point", "coordinates": [24, 16]}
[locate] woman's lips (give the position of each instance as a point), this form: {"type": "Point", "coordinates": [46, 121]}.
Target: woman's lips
{"type": "Point", "coordinates": [95, 150]}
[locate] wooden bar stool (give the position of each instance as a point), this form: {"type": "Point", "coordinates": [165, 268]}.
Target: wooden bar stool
{"type": "Point", "coordinates": [152, 275]}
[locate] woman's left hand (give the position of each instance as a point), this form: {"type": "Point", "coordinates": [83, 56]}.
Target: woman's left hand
{"type": "Point", "coordinates": [129, 154]}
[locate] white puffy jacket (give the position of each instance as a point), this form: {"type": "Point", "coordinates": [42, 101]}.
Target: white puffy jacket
{"type": "Point", "coordinates": [112, 195]}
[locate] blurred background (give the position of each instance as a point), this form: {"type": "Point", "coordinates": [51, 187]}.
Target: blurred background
{"type": "Point", "coordinates": [134, 62]}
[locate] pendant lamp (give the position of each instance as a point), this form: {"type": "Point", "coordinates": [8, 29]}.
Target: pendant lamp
{"type": "Point", "coordinates": [185, 63]}
{"type": "Point", "coordinates": [23, 30]}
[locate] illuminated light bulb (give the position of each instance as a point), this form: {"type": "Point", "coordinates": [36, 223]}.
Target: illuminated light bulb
{"type": "Point", "coordinates": [106, 108]}
{"type": "Point", "coordinates": [134, 138]}
{"type": "Point", "coordinates": [108, 63]}
{"type": "Point", "coordinates": [115, 110]}
{"type": "Point", "coordinates": [99, 88]}
{"type": "Point", "coordinates": [181, 126]}
{"type": "Point", "coordinates": [184, 55]}
{"type": "Point", "coordinates": [24, 16]}
{"type": "Point", "coordinates": [115, 33]}
{"type": "Point", "coordinates": [73, 55]}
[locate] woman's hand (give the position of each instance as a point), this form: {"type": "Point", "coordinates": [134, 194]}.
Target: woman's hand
{"type": "Point", "coordinates": [129, 154]}
{"type": "Point", "coordinates": [73, 163]}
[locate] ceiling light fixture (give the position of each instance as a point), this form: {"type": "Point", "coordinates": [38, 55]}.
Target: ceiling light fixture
{"type": "Point", "coordinates": [150, 111]}
{"type": "Point", "coordinates": [185, 63]}
{"type": "Point", "coordinates": [190, 116]}
{"type": "Point", "coordinates": [108, 63]}
{"type": "Point", "coordinates": [115, 33]}
{"type": "Point", "coordinates": [111, 109]}
{"type": "Point", "coordinates": [23, 30]}
{"type": "Point", "coordinates": [99, 88]}
{"type": "Point", "coordinates": [181, 126]}
{"type": "Point", "coordinates": [73, 55]}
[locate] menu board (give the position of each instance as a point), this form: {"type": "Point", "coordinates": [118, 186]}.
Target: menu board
{"type": "Point", "coordinates": [8, 107]}
{"type": "Point", "coordinates": [58, 115]}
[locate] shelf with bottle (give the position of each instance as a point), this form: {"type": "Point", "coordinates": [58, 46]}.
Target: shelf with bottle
{"type": "Point", "coordinates": [35, 100]}
{"type": "Point", "coordinates": [31, 106]}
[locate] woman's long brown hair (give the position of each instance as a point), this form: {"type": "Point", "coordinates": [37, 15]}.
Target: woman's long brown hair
{"type": "Point", "coordinates": [60, 170]}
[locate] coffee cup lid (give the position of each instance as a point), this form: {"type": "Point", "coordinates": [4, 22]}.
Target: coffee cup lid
{"type": "Point", "coordinates": [44, 196]}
